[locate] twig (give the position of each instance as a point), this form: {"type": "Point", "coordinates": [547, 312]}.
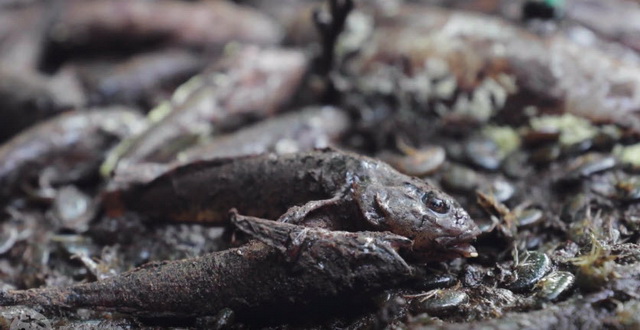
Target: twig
{"type": "Point", "coordinates": [330, 23]}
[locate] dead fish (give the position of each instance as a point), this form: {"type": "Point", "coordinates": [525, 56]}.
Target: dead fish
{"type": "Point", "coordinates": [272, 276]}
{"type": "Point", "coordinates": [323, 188]}
{"type": "Point", "coordinates": [304, 130]}
{"type": "Point", "coordinates": [250, 82]}
{"type": "Point", "coordinates": [68, 147]}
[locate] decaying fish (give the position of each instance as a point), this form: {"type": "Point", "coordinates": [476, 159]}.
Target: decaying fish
{"type": "Point", "coordinates": [277, 275]}
{"type": "Point", "coordinates": [140, 79]}
{"type": "Point", "coordinates": [455, 63]}
{"type": "Point", "coordinates": [82, 28]}
{"type": "Point", "coordinates": [66, 148]}
{"type": "Point", "coordinates": [248, 83]}
{"type": "Point", "coordinates": [304, 130]}
{"type": "Point", "coordinates": [324, 188]}
{"type": "Point", "coordinates": [25, 99]}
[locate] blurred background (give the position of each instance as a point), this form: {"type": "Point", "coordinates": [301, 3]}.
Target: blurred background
{"type": "Point", "coordinates": [526, 111]}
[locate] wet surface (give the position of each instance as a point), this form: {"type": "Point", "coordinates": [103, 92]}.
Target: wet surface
{"type": "Point", "coordinates": [525, 118]}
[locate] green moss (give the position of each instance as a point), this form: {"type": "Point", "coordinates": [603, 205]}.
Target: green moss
{"type": "Point", "coordinates": [629, 155]}
{"type": "Point", "coordinates": [505, 137]}
{"type": "Point", "coordinates": [572, 129]}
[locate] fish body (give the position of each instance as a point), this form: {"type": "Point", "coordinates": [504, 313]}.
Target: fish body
{"type": "Point", "coordinates": [325, 188]}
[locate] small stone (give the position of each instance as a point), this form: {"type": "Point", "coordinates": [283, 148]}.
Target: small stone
{"type": "Point", "coordinates": [529, 272]}
{"type": "Point", "coordinates": [554, 285]}
{"type": "Point", "coordinates": [440, 302]}
{"type": "Point", "coordinates": [529, 217]}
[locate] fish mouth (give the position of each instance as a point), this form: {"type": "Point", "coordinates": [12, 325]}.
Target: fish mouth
{"type": "Point", "coordinates": [466, 250]}
{"type": "Point", "coordinates": [444, 253]}
{"type": "Point", "coordinates": [460, 246]}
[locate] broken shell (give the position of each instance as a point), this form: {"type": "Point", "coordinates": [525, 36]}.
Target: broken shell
{"type": "Point", "coordinates": [460, 178]}
{"type": "Point", "coordinates": [577, 148]}
{"type": "Point", "coordinates": [439, 302]}
{"type": "Point", "coordinates": [554, 285]}
{"type": "Point", "coordinates": [502, 190]}
{"type": "Point", "coordinates": [484, 153]}
{"type": "Point", "coordinates": [534, 267]}
{"type": "Point", "coordinates": [529, 217]}
{"type": "Point", "coordinates": [439, 281]}
{"type": "Point", "coordinates": [516, 164]}
{"type": "Point", "coordinates": [588, 165]}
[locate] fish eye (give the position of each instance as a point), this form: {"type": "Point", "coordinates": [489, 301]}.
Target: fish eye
{"type": "Point", "coordinates": [435, 204]}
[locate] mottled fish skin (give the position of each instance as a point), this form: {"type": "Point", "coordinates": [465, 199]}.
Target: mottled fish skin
{"type": "Point", "coordinates": [327, 188]}
{"type": "Point", "coordinates": [298, 131]}
{"type": "Point", "coordinates": [251, 82]}
{"type": "Point", "coordinates": [71, 146]}
{"type": "Point", "coordinates": [255, 280]}
{"type": "Point", "coordinates": [304, 130]}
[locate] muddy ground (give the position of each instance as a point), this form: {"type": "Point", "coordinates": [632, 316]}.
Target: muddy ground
{"type": "Point", "coordinates": [526, 112]}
